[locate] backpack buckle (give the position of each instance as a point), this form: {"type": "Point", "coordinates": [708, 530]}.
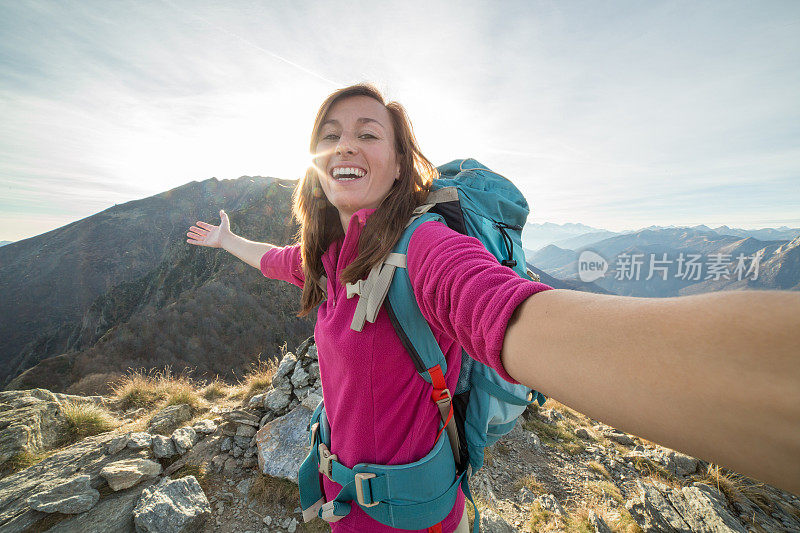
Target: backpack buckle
{"type": "Point", "coordinates": [361, 476]}
{"type": "Point", "coordinates": [325, 461]}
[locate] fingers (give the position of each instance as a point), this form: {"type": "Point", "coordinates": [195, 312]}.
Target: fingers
{"type": "Point", "coordinates": [206, 225]}
{"type": "Point", "coordinates": [198, 230]}
{"type": "Point", "coordinates": [196, 236]}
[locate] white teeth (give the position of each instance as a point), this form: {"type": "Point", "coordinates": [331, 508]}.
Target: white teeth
{"type": "Point", "coordinates": [347, 170]}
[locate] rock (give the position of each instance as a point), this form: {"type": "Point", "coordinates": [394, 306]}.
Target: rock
{"type": "Point", "coordinates": [239, 417]}
{"type": "Point", "coordinates": [117, 444]}
{"type": "Point", "coordinates": [283, 444]}
{"type": "Point", "coordinates": [128, 472]}
{"type": "Point", "coordinates": [312, 352]}
{"type": "Point", "coordinates": [230, 466]}
{"type": "Point", "coordinates": [311, 401]}
{"type": "Point", "coordinates": [494, 523]}
{"type": "Point", "coordinates": [658, 507]}
{"type": "Point", "coordinates": [281, 378]}
{"type": "Point", "coordinates": [598, 524]}
{"type": "Point", "coordinates": [525, 496]}
{"type": "Point", "coordinates": [242, 442]}
{"type": "Point", "coordinates": [140, 440]}
{"type": "Point", "coordinates": [313, 371]}
{"type": "Point", "coordinates": [32, 420]}
{"type": "Point", "coordinates": [169, 418]}
{"type": "Point", "coordinates": [583, 433]}
{"type": "Point", "coordinates": [266, 418]}
{"type": "Point", "coordinates": [550, 503]}
{"type": "Point", "coordinates": [184, 438]}
{"type": "Point", "coordinates": [292, 527]}
{"type": "Point", "coordinates": [172, 506]}
{"type": "Point", "coordinates": [86, 457]}
{"type": "Point", "coordinates": [249, 462]}
{"type": "Point", "coordinates": [205, 427]}
{"type": "Point", "coordinates": [256, 401]}
{"type": "Point", "coordinates": [218, 460]}
{"type": "Point", "coordinates": [682, 464]}
{"type": "Point", "coordinates": [245, 431]}
{"type": "Point", "coordinates": [618, 437]}
{"type": "Point", "coordinates": [70, 497]}
{"type": "Point", "coordinates": [244, 486]}
{"type": "Point", "coordinates": [227, 444]}
{"type": "Point", "coordinates": [277, 400]}
{"type": "Point", "coordinates": [300, 378]}
{"type": "Point", "coordinates": [114, 513]}
{"type": "Point", "coordinates": [163, 447]}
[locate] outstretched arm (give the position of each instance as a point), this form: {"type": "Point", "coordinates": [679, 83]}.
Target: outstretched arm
{"type": "Point", "coordinates": [205, 234]}
{"type": "Point", "coordinates": [714, 375]}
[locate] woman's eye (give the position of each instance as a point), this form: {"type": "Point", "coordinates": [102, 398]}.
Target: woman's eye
{"type": "Point", "coordinates": [369, 136]}
{"type": "Point", "coordinates": [331, 136]}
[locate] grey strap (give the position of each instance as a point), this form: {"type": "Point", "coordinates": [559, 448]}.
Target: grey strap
{"type": "Point", "coordinates": [373, 290]}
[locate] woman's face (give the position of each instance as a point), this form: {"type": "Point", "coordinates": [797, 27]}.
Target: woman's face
{"type": "Point", "coordinates": [357, 135]}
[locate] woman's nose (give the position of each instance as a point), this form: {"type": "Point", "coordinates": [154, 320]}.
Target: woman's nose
{"type": "Point", "coordinates": [344, 146]}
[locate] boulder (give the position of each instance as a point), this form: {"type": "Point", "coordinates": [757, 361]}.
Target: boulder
{"type": "Point", "coordinates": [87, 457]}
{"type": "Point", "coordinates": [493, 522]}
{"type": "Point", "coordinates": [70, 497]}
{"type": "Point", "coordinates": [128, 472]}
{"type": "Point", "coordinates": [184, 439]}
{"type": "Point", "coordinates": [140, 440]}
{"type": "Point", "coordinates": [31, 421]}
{"type": "Point", "coordinates": [283, 444]}
{"type": "Point", "coordinates": [660, 508]}
{"type": "Point", "coordinates": [163, 447]}
{"type": "Point", "coordinates": [172, 506]}
{"type": "Point", "coordinates": [550, 503]}
{"type": "Point", "coordinates": [169, 418]}
{"type": "Point", "coordinates": [277, 400]}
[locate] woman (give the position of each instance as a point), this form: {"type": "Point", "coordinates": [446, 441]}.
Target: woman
{"type": "Point", "coordinates": [665, 369]}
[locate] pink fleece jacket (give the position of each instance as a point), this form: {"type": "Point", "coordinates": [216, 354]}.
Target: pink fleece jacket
{"type": "Point", "coordinates": [379, 408]}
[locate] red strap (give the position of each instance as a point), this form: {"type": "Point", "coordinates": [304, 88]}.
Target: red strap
{"type": "Point", "coordinates": [435, 529]}
{"type": "Point", "coordinates": [440, 391]}
{"type": "Point", "coordinates": [437, 379]}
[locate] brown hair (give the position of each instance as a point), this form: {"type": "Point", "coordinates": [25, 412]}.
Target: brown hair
{"type": "Point", "coordinates": [319, 220]}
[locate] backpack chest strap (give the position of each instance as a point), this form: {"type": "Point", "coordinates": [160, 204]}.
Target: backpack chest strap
{"type": "Point", "coordinates": [372, 291]}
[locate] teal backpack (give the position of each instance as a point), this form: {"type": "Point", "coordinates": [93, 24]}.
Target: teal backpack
{"type": "Point", "coordinates": [475, 201]}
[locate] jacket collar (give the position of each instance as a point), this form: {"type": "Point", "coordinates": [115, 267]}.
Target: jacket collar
{"type": "Point", "coordinates": [346, 248]}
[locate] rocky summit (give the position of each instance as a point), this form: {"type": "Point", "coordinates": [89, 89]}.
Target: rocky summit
{"type": "Point", "coordinates": [230, 464]}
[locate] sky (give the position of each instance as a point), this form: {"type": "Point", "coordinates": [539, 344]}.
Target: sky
{"type": "Point", "coordinates": [617, 115]}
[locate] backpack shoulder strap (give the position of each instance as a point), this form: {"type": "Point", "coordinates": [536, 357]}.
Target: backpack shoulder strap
{"type": "Point", "coordinates": [404, 312]}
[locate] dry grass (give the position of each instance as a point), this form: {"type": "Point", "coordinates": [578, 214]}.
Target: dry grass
{"type": "Point", "coordinates": [557, 435]}
{"type": "Point", "coordinates": [215, 390]}
{"type": "Point", "coordinates": [156, 389]}
{"type": "Point", "coordinates": [540, 519]}
{"type": "Point", "coordinates": [529, 482]}
{"type": "Point", "coordinates": [600, 469]}
{"type": "Point", "coordinates": [652, 470]}
{"type": "Point", "coordinates": [735, 487]}
{"type": "Point", "coordinates": [269, 489]}
{"type": "Point", "coordinates": [85, 420]}
{"type": "Point", "coordinates": [257, 379]}
{"type": "Point", "coordinates": [22, 460]}
{"type": "Point", "coordinates": [199, 471]}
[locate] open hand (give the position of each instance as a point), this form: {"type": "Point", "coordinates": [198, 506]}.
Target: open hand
{"type": "Point", "coordinates": [205, 234]}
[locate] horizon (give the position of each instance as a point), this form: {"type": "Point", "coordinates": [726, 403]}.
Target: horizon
{"type": "Point", "coordinates": [618, 116]}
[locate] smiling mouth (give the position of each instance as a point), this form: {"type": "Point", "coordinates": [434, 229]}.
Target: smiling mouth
{"type": "Point", "coordinates": [347, 174]}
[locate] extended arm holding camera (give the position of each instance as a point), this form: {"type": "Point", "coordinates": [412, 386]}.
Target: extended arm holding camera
{"type": "Point", "coordinates": [714, 375]}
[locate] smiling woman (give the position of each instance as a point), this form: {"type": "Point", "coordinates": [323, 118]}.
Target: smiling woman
{"type": "Point", "coordinates": [670, 370]}
{"type": "Point", "coordinates": [355, 156]}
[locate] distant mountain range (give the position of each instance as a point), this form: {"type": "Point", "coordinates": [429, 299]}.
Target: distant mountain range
{"type": "Point", "coordinates": [677, 261]}
{"type": "Point", "coordinates": [574, 236]}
